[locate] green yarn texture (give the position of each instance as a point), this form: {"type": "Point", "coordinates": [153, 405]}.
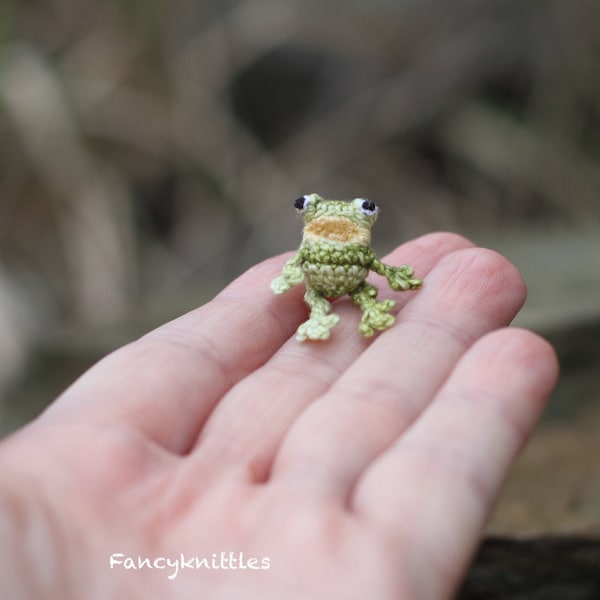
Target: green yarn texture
{"type": "Point", "coordinates": [331, 269]}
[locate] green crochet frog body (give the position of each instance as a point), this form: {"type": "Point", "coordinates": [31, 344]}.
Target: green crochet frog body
{"type": "Point", "coordinates": [334, 259]}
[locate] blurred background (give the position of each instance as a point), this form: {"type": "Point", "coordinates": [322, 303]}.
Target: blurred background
{"type": "Point", "coordinates": [150, 151]}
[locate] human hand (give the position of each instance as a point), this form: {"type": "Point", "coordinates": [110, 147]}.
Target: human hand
{"type": "Point", "coordinates": [347, 468]}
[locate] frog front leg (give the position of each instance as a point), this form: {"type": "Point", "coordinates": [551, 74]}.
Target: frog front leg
{"type": "Point", "coordinates": [291, 275]}
{"type": "Point", "coordinates": [320, 322]}
{"type": "Point", "coordinates": [375, 315]}
{"type": "Point", "coordinates": [399, 278]}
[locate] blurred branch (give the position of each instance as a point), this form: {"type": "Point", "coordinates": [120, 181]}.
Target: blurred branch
{"type": "Point", "coordinates": [91, 203]}
{"type": "Point", "coordinates": [443, 76]}
{"type": "Point", "coordinates": [495, 144]}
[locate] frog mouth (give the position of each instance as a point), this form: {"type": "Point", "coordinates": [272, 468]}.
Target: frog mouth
{"type": "Point", "coordinates": [336, 229]}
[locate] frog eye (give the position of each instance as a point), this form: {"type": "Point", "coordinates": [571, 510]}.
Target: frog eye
{"type": "Point", "coordinates": [300, 203]}
{"type": "Point", "coordinates": [367, 207]}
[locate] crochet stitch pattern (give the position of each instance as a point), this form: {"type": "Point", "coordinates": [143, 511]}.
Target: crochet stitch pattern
{"type": "Point", "coordinates": [334, 259]}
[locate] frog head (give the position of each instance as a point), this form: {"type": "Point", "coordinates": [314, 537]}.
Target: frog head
{"type": "Point", "coordinates": [337, 221]}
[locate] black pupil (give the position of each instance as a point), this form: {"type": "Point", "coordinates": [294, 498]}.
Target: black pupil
{"type": "Point", "coordinates": [299, 203]}
{"type": "Point", "coordinates": [368, 206]}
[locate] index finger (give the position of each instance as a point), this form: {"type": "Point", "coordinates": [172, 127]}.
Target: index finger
{"type": "Point", "coordinates": [167, 383]}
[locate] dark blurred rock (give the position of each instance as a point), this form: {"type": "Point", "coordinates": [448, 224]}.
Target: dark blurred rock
{"type": "Point", "coordinates": [547, 568]}
{"type": "Point", "coordinates": [283, 89]}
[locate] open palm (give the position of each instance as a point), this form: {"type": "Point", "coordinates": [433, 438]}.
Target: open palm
{"type": "Point", "coordinates": [339, 469]}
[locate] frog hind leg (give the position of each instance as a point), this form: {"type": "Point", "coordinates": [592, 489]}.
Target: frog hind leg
{"type": "Point", "coordinates": [375, 315]}
{"type": "Point", "coordinates": [320, 322]}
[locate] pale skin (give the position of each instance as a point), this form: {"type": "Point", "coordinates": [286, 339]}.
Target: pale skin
{"type": "Point", "coordinates": [360, 468]}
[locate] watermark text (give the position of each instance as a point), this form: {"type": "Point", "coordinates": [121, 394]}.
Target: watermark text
{"type": "Point", "coordinates": [216, 561]}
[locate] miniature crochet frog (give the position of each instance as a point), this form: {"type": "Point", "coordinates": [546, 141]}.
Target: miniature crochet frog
{"type": "Point", "coordinates": [334, 259]}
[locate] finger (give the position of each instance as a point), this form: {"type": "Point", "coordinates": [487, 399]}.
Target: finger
{"type": "Point", "coordinates": [438, 482]}
{"type": "Point", "coordinates": [249, 423]}
{"type": "Point", "coordinates": [468, 293]}
{"type": "Point", "coordinates": [166, 383]}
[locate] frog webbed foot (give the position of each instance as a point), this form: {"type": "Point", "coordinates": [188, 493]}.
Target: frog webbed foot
{"type": "Point", "coordinates": [321, 322]}
{"type": "Point", "coordinates": [291, 275]}
{"type": "Point", "coordinates": [375, 315]}
{"type": "Point", "coordinates": [317, 327]}
{"type": "Point", "coordinates": [399, 278]}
